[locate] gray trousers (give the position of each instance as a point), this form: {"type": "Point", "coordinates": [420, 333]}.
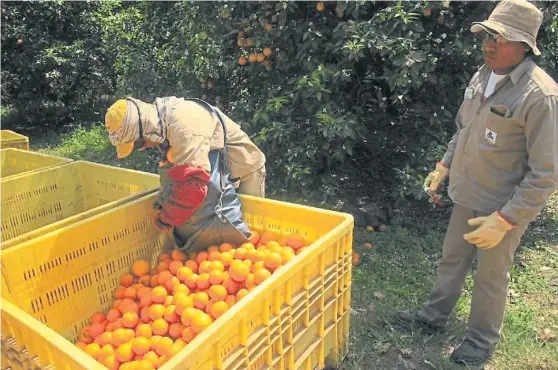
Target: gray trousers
{"type": "Point", "coordinates": [491, 279]}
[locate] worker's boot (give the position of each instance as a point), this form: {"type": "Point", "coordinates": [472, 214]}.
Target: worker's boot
{"type": "Point", "coordinates": [408, 321]}
{"type": "Point", "coordinates": [469, 353]}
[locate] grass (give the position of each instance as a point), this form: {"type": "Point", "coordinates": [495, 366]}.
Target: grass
{"type": "Point", "coordinates": [397, 274]}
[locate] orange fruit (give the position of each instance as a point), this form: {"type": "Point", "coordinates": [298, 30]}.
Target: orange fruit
{"type": "Point", "coordinates": [231, 300]}
{"type": "Point", "coordinates": [295, 241]}
{"type": "Point", "coordinates": [200, 257]}
{"type": "Point", "coordinates": [267, 52]}
{"type": "Point", "coordinates": [106, 350]}
{"type": "Point", "coordinates": [203, 281]}
{"type": "Point", "coordinates": [260, 57]}
{"type": "Point", "coordinates": [261, 275]}
{"type": "Point", "coordinates": [93, 350]}
{"type": "Point", "coordinates": [214, 256]}
{"type": "Point", "coordinates": [141, 345]}
{"type": "Point", "coordinates": [174, 266]}
{"type": "Point", "coordinates": [200, 322]}
{"type": "Point", "coordinates": [227, 257]}
{"type": "Point", "coordinates": [250, 281]}
{"type": "Point", "coordinates": [183, 302]}
{"type": "Point", "coordinates": [154, 341]}
{"type": "Point", "coordinates": [180, 288]}
{"type": "Point", "coordinates": [97, 317]}
{"type": "Point", "coordinates": [218, 309]}
{"type": "Point", "coordinates": [252, 58]}
{"type": "Point", "coordinates": [130, 292]}
{"type": "Point", "coordinates": [164, 276]}
{"type": "Point", "coordinates": [187, 315]}
{"type": "Point", "coordinates": [273, 260]}
{"type": "Point", "coordinates": [240, 253]}
{"type": "Point", "coordinates": [111, 363]}
{"type": "Point", "coordinates": [216, 277]}
{"type": "Point", "coordinates": [175, 348]}
{"type": "Point", "coordinates": [144, 330]}
{"type": "Point", "coordinates": [241, 294]}
{"type": "Point", "coordinates": [356, 259]}
{"type": "Point", "coordinates": [143, 365]}
{"type": "Point", "coordinates": [213, 248]}
{"type": "Point", "coordinates": [218, 293]}
{"type": "Point", "coordinates": [258, 265]}
{"type": "Point", "coordinates": [116, 304]}
{"type": "Point", "coordinates": [225, 247]}
{"type": "Point", "coordinates": [320, 6]}
{"type": "Point", "coordinates": [176, 329]}
{"type": "Point", "coordinates": [183, 273]}
{"type": "Point", "coordinates": [163, 346]}
{"type": "Point", "coordinates": [156, 311]}
{"type": "Point", "coordinates": [240, 42]}
{"type": "Point", "coordinates": [171, 283]}
{"type": "Point", "coordinates": [145, 314]}
{"type": "Point", "coordinates": [368, 245]}
{"type": "Point", "coordinates": [152, 357]}
{"type": "Point", "coordinates": [205, 266]}
{"type": "Point", "coordinates": [104, 338]}
{"type": "Point", "coordinates": [188, 335]}
{"type": "Point", "coordinates": [160, 327]}
{"type": "Point", "coordinates": [179, 255]}
{"type": "Point", "coordinates": [158, 294]}
{"type": "Point", "coordinates": [124, 352]}
{"type": "Point", "coordinates": [130, 319]}
{"type": "Point", "coordinates": [238, 271]}
{"type": "Point", "coordinates": [81, 345]}
{"type": "Point", "coordinates": [96, 329]}
{"type": "Point", "coordinates": [164, 257]}
{"type": "Point", "coordinates": [127, 280]}
{"type": "Point", "coordinates": [171, 315]}
{"type": "Point", "coordinates": [119, 336]}
{"type": "Point", "coordinates": [216, 265]}
{"type": "Point", "coordinates": [141, 268]}
{"type": "Point", "coordinates": [163, 266]}
{"type": "Point", "coordinates": [231, 286]}
{"type": "Point", "coordinates": [268, 27]}
{"type": "Point", "coordinates": [85, 335]}
{"type": "Point", "coordinates": [249, 42]}
{"type": "Point", "coordinates": [145, 291]}
{"type": "Point", "coordinates": [287, 254]}
{"type": "Point", "coordinates": [128, 305]}
{"type": "Point", "coordinates": [192, 281]}
{"type": "Point", "coordinates": [192, 265]}
{"type": "Point", "coordinates": [119, 292]}
{"type": "Point", "coordinates": [267, 236]}
{"type": "Point", "coordinates": [200, 300]}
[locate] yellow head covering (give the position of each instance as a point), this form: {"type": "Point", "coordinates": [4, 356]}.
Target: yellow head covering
{"type": "Point", "coordinates": [114, 122]}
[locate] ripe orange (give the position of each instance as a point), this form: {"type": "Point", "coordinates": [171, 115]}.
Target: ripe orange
{"type": "Point", "coordinates": [171, 283]}
{"type": "Point", "coordinates": [141, 345]}
{"type": "Point", "coordinates": [200, 300]}
{"type": "Point", "coordinates": [225, 247]}
{"type": "Point", "coordinates": [106, 350]}
{"type": "Point", "coordinates": [261, 275]}
{"type": "Point", "coordinates": [179, 255]}
{"type": "Point", "coordinates": [273, 260]}
{"type": "Point", "coordinates": [268, 27]}
{"type": "Point", "coordinates": [188, 335]}
{"type": "Point", "coordinates": [267, 236]}
{"type": "Point", "coordinates": [164, 257]}
{"type": "Point", "coordinates": [191, 281]}
{"type": "Point", "coordinates": [218, 309]}
{"type": "Point", "coordinates": [204, 267]}
{"type": "Point", "coordinates": [320, 6]}
{"type": "Point", "coordinates": [216, 277]}
{"type": "Point", "coordinates": [217, 265]}
{"type": "Point", "coordinates": [127, 280]}
{"type": "Point", "coordinates": [252, 58]}
{"type": "Point", "coordinates": [193, 265]}
{"type": "Point", "coordinates": [119, 336]}
{"type": "Point", "coordinates": [174, 266]}
{"type": "Point", "coordinates": [163, 346]}
{"type": "Point", "coordinates": [130, 319]}
{"type": "Point", "coordinates": [250, 281]}
{"type": "Point", "coordinates": [158, 294]}
{"type": "Point", "coordinates": [97, 317]}
{"type": "Point", "coordinates": [214, 256]}
{"type": "Point", "coordinates": [156, 311]}
{"type": "Point", "coordinates": [242, 61]}
{"type": "Point", "coordinates": [231, 300]}
{"type": "Point", "coordinates": [200, 257]}
{"type": "Point", "coordinates": [128, 305]}
{"type": "Point", "coordinates": [260, 57]}
{"type": "Point", "coordinates": [104, 338]}
{"type": "Point", "coordinates": [152, 357]}
{"type": "Point", "coordinates": [180, 288]}
{"type": "Point", "coordinates": [176, 329]}
{"type": "Point", "coordinates": [160, 327]}
{"type": "Point", "coordinates": [142, 292]}
{"type": "Point", "coordinates": [93, 350]}
{"type": "Point", "coordinates": [267, 51]}
{"type": "Point", "coordinates": [130, 292]}
{"type": "Point", "coordinates": [124, 352]}
{"type": "Point", "coordinates": [144, 330]}
{"type": "Point", "coordinates": [183, 302]}
{"type": "Point", "coordinates": [231, 285]}
{"type": "Point", "coordinates": [171, 316]}
{"type": "Point", "coordinates": [141, 268]}
{"type": "Point", "coordinates": [119, 292]}
{"type": "Point", "coordinates": [187, 315]}
{"type": "Point", "coordinates": [227, 257]}
{"type": "Point", "coordinates": [238, 271]}
{"type": "Point", "coordinates": [218, 293]}
{"type": "Point", "coordinates": [254, 238]}
{"type": "Point", "coordinates": [203, 281]}
{"type": "Point", "coordinates": [241, 294]}
{"type": "Point", "coordinates": [145, 314]}
{"type": "Point", "coordinates": [163, 266]}
{"type": "Point", "coordinates": [240, 253]}
{"type": "Point", "coordinates": [164, 276]}
{"type": "Point", "coordinates": [183, 273]}
{"type": "Point", "coordinates": [356, 259]}
{"type": "Point", "coordinates": [96, 329]}
{"type": "Point", "coordinates": [200, 322]}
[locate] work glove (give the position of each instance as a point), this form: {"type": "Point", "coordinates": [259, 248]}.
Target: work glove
{"type": "Point", "coordinates": [160, 225]}
{"type": "Point", "coordinates": [436, 177]}
{"type": "Point", "coordinates": [490, 232]}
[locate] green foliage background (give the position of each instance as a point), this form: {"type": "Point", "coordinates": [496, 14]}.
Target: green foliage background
{"type": "Point", "coordinates": [357, 98]}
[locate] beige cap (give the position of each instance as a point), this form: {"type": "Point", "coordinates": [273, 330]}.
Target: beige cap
{"type": "Point", "coordinates": [515, 20]}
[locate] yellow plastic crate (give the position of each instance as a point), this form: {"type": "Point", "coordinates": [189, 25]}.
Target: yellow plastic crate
{"type": "Point", "coordinates": [10, 139]}
{"type": "Point", "coordinates": [17, 161]}
{"type": "Point", "coordinates": [46, 200]}
{"type": "Point", "coordinates": [297, 319]}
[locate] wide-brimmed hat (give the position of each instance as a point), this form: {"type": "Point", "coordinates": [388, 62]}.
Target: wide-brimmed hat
{"type": "Point", "coordinates": [515, 20]}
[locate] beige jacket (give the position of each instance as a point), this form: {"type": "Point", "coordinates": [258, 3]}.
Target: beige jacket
{"type": "Point", "coordinates": [504, 154]}
{"type": "Point", "coordinates": [192, 131]}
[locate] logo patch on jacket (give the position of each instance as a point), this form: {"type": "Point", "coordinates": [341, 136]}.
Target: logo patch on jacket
{"type": "Point", "coordinates": [490, 136]}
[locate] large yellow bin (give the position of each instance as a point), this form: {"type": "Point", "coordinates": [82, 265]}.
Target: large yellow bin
{"type": "Point", "coordinates": [45, 200]}
{"type": "Point", "coordinates": [18, 161]}
{"type": "Point", "coordinates": [296, 319]}
{"type": "Point", "coordinates": [10, 139]}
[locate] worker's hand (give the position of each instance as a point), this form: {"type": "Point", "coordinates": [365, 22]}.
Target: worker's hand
{"type": "Point", "coordinates": [160, 225]}
{"type": "Point", "coordinates": [490, 232]}
{"type": "Point", "coordinates": [436, 177]}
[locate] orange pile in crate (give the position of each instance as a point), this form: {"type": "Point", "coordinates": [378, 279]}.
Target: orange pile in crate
{"type": "Point", "coordinates": [158, 311]}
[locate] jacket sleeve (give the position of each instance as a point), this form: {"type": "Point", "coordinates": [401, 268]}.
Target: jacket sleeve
{"type": "Point", "coordinates": [190, 174]}
{"type": "Point", "coordinates": [541, 133]}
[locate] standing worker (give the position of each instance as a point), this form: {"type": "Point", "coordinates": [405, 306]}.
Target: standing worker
{"type": "Point", "coordinates": [186, 132]}
{"type": "Point", "coordinates": [503, 166]}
